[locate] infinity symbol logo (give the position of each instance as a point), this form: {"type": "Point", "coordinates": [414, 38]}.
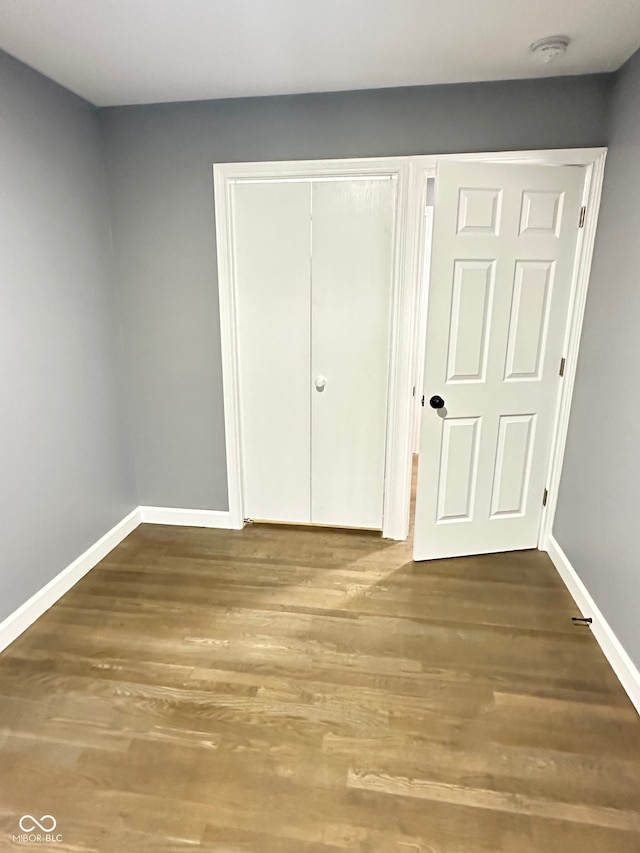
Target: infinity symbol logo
{"type": "Point", "coordinates": [47, 823]}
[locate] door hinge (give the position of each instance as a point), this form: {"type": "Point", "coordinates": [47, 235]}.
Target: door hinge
{"type": "Point", "coordinates": [563, 362]}
{"type": "Point", "coordinates": [583, 213]}
{"type": "Point", "coordinates": [414, 391]}
{"type": "Point", "coordinates": [422, 401]}
{"type": "Point", "coordinates": [544, 497]}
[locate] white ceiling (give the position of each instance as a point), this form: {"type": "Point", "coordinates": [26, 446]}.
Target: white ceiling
{"type": "Point", "coordinates": [145, 51]}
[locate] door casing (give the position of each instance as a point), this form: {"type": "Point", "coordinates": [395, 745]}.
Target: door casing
{"type": "Point", "coordinates": [412, 174]}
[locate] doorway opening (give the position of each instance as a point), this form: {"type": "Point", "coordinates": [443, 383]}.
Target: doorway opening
{"type": "Point", "coordinates": [421, 324]}
{"type": "Point", "coordinates": [425, 243]}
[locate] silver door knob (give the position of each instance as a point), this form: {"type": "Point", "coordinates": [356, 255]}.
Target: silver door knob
{"type": "Point", "coordinates": [320, 382]}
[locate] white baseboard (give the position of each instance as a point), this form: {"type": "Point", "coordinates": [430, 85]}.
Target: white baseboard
{"type": "Point", "coordinates": [42, 600]}
{"type": "Point", "coordinates": [26, 615]}
{"type": "Point", "coordinates": [186, 517]}
{"type": "Point", "coordinates": [614, 651]}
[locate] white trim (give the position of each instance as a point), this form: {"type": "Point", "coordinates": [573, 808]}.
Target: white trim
{"type": "Point", "coordinates": [580, 285]}
{"type": "Point", "coordinates": [412, 173]}
{"type": "Point", "coordinates": [541, 156]}
{"type": "Point", "coordinates": [187, 517]}
{"type": "Point", "coordinates": [228, 344]}
{"type": "Point", "coordinates": [41, 601]}
{"type": "Point", "coordinates": [305, 170]}
{"type": "Point", "coordinates": [614, 651]}
{"type": "Point", "coordinates": [312, 179]}
{"type": "Point", "coordinates": [278, 169]}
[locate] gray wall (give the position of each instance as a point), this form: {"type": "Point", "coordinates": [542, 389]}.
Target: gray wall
{"type": "Point", "coordinates": [160, 178]}
{"type": "Point", "coordinates": [598, 517]}
{"type": "Point", "coordinates": [64, 462]}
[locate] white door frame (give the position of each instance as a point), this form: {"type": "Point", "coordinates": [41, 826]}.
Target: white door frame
{"type": "Point", "coordinates": [411, 174]}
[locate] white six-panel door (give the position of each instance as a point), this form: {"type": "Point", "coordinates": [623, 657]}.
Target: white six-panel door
{"type": "Point", "coordinates": [504, 246]}
{"type": "Point", "coordinates": [313, 273]}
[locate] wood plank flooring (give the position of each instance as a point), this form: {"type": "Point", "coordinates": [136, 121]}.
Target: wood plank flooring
{"type": "Point", "coordinates": [283, 690]}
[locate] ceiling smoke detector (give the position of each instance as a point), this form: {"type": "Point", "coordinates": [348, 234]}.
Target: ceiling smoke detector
{"type": "Point", "coordinates": [550, 48]}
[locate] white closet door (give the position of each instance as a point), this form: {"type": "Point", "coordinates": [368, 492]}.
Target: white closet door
{"type": "Point", "coordinates": [272, 243]}
{"type": "Point", "coordinates": [504, 247]}
{"type": "Point", "coordinates": [351, 306]}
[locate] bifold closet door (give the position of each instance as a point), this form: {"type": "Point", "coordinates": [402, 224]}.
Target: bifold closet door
{"type": "Point", "coordinates": [351, 276]}
{"type": "Point", "coordinates": [272, 250]}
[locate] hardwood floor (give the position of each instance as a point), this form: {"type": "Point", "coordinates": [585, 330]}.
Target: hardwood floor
{"type": "Point", "coordinates": [283, 690]}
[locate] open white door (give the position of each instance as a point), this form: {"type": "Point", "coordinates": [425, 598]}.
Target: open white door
{"type": "Point", "coordinates": [504, 246]}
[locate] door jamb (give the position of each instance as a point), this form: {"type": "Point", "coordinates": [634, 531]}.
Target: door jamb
{"type": "Point", "coordinates": [412, 174]}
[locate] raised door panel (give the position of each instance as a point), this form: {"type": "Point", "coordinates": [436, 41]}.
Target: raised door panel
{"type": "Point", "coordinates": [479, 210]}
{"type": "Point", "coordinates": [458, 469]}
{"type": "Point", "coordinates": [532, 291]}
{"type": "Point", "coordinates": [541, 212]}
{"type": "Point", "coordinates": [273, 302]}
{"type": "Point", "coordinates": [512, 466]}
{"type": "Point", "coordinates": [353, 226]}
{"type": "Point", "coordinates": [471, 301]}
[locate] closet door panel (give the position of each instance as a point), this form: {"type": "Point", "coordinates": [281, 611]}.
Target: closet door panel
{"type": "Point", "coordinates": [352, 256]}
{"type": "Point", "coordinates": [272, 274]}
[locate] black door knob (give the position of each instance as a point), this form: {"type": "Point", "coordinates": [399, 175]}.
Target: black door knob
{"type": "Point", "coordinates": [436, 402]}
